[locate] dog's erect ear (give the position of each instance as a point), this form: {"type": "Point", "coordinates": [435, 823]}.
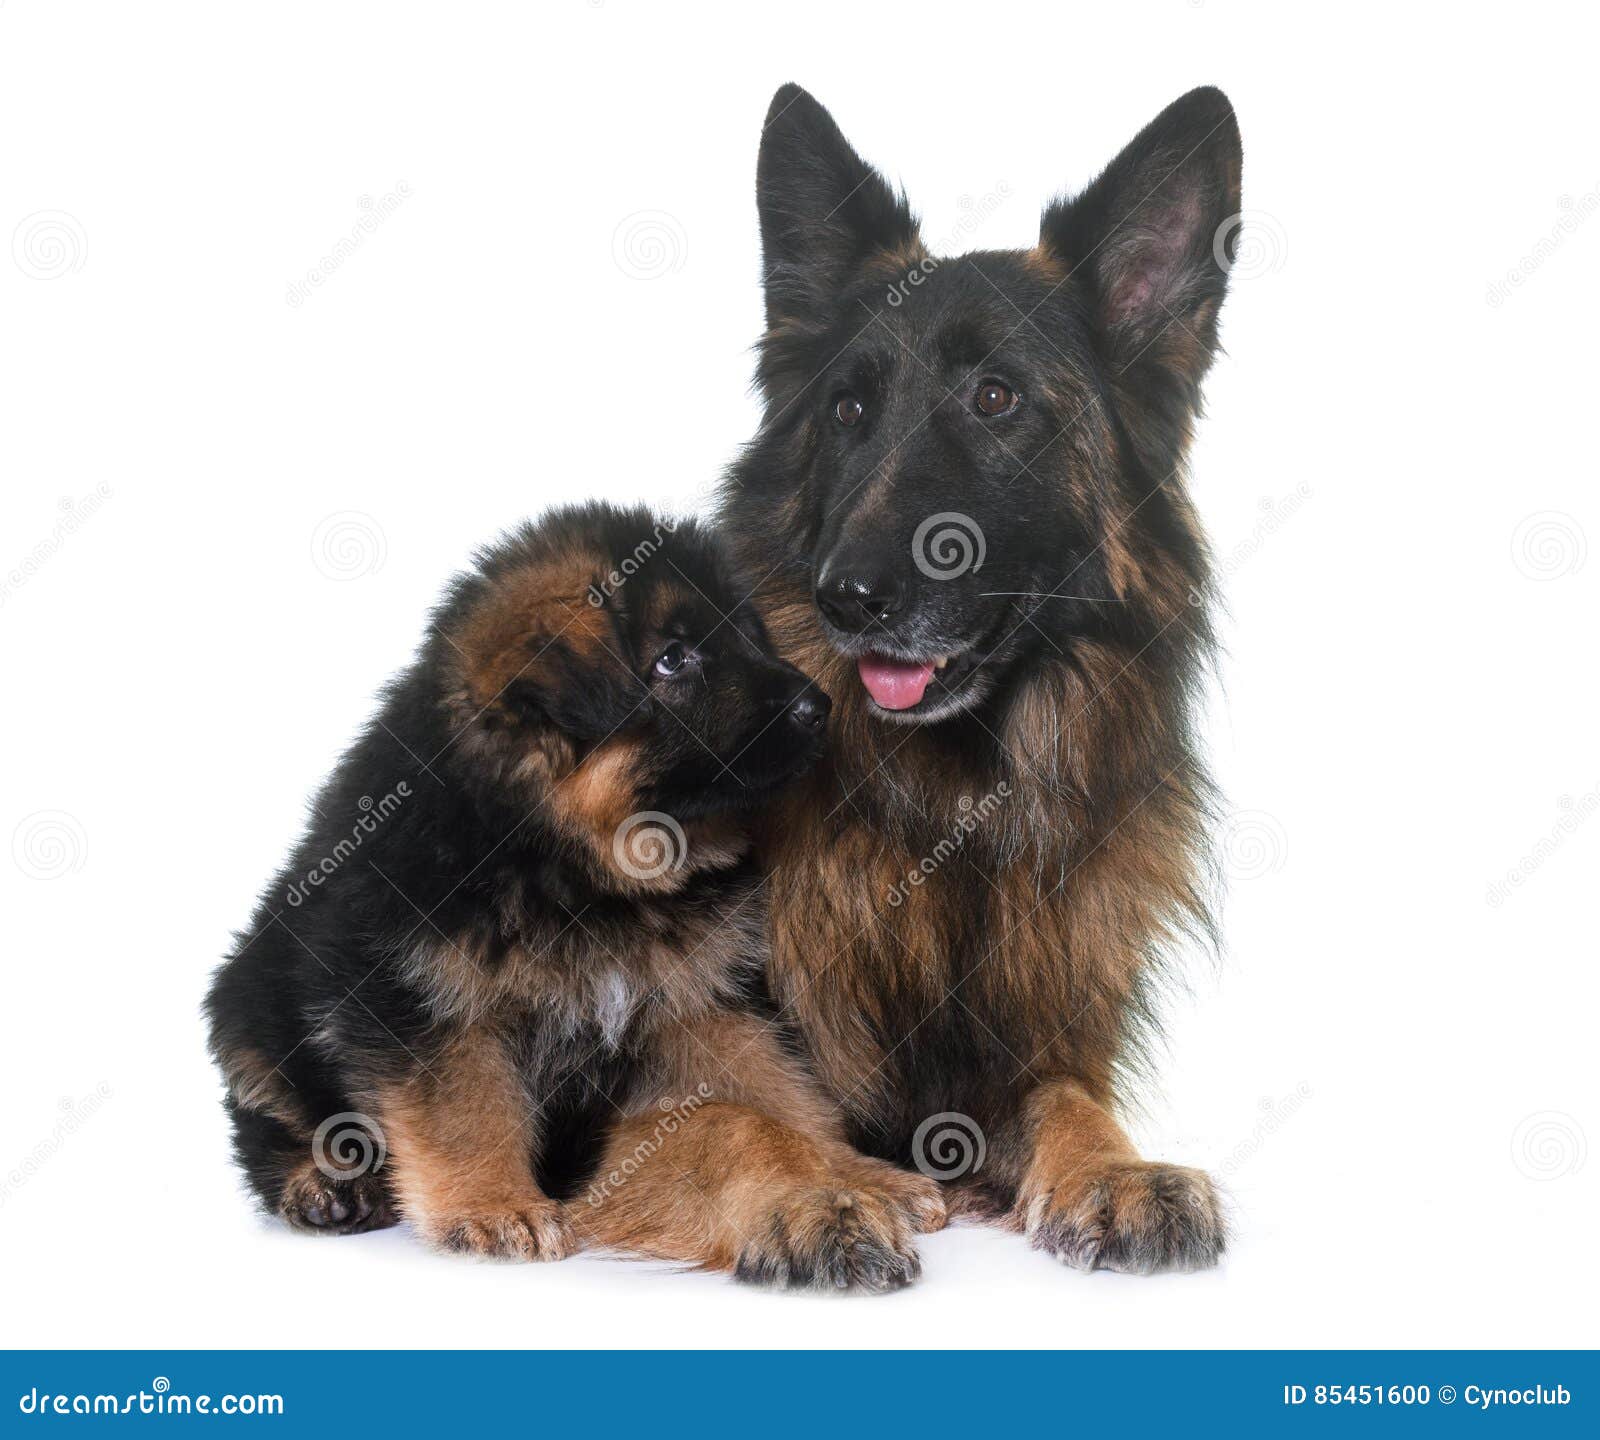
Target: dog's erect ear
{"type": "Point", "coordinates": [823, 208]}
{"type": "Point", "coordinates": [1154, 235]}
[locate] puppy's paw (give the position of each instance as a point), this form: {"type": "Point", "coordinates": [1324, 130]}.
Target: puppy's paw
{"type": "Point", "coordinates": [832, 1239]}
{"type": "Point", "coordinates": [533, 1229]}
{"type": "Point", "coordinates": [1137, 1217]}
{"type": "Point", "coordinates": [921, 1199]}
{"type": "Point", "coordinates": [325, 1206]}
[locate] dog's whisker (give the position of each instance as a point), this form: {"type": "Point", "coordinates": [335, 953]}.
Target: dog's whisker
{"type": "Point", "coordinates": [1051, 595]}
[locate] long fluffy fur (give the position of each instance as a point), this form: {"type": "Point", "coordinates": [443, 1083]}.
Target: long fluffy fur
{"type": "Point", "coordinates": [1030, 953]}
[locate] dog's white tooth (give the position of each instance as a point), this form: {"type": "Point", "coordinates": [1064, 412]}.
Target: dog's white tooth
{"type": "Point", "coordinates": [941, 662]}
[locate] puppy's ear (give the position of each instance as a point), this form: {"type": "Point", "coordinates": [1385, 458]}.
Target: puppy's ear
{"type": "Point", "coordinates": [536, 654]}
{"type": "Point", "coordinates": [1152, 239]}
{"type": "Point", "coordinates": [585, 695]}
{"type": "Point", "coordinates": [823, 208]}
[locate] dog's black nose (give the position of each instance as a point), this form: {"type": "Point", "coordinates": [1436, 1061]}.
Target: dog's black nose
{"type": "Point", "coordinates": [856, 599]}
{"type": "Point", "coordinates": [808, 709]}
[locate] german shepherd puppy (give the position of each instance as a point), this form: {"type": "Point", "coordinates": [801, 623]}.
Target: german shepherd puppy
{"type": "Point", "coordinates": [531, 961]}
{"type": "Point", "coordinates": [965, 511]}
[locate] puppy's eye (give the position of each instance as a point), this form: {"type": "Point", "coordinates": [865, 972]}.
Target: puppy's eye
{"type": "Point", "coordinates": [672, 659]}
{"type": "Point", "coordinates": [847, 410]}
{"type": "Point", "coordinates": [995, 397]}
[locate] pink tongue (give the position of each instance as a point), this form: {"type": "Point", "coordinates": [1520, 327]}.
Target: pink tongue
{"type": "Point", "coordinates": [894, 684]}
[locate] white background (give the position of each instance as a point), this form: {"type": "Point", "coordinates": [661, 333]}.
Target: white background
{"type": "Point", "coordinates": [1393, 1071]}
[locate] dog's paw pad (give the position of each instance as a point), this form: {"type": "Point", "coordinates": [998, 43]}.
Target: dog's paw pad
{"type": "Point", "coordinates": [328, 1206]}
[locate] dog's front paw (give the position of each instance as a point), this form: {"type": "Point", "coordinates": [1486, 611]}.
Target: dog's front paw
{"type": "Point", "coordinates": [532, 1229]}
{"type": "Point", "coordinates": [1138, 1217]}
{"type": "Point", "coordinates": [832, 1239]}
{"type": "Point", "coordinates": [324, 1205]}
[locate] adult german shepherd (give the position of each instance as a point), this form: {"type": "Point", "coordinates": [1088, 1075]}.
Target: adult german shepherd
{"type": "Point", "coordinates": [964, 514]}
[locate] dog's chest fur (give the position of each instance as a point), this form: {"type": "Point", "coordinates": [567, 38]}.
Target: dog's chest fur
{"type": "Point", "coordinates": [931, 973]}
{"type": "Point", "coordinates": [598, 980]}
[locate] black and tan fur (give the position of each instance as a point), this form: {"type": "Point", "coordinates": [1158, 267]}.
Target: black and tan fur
{"type": "Point", "coordinates": [1011, 984]}
{"type": "Point", "coordinates": [512, 982]}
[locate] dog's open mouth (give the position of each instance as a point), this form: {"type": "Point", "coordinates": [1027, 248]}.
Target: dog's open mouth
{"type": "Point", "coordinates": [911, 685]}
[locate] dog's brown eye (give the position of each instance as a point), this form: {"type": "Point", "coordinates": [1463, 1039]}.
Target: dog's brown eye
{"type": "Point", "coordinates": [847, 410]}
{"type": "Point", "coordinates": [671, 660]}
{"type": "Point", "coordinates": [995, 398]}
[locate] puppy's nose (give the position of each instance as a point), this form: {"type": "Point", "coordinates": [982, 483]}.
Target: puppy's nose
{"type": "Point", "coordinates": [808, 709]}
{"type": "Point", "coordinates": [855, 598]}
